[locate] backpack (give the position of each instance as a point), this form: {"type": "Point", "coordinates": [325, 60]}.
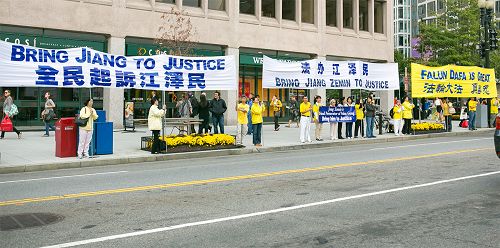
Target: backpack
{"type": "Point", "coordinates": [391, 113]}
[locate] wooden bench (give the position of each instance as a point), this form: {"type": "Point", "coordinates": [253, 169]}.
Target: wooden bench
{"type": "Point", "coordinates": [181, 124]}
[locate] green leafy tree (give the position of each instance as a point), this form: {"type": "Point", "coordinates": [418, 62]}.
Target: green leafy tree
{"type": "Point", "coordinates": [453, 36]}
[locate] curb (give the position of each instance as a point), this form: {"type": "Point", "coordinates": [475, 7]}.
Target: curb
{"type": "Point", "coordinates": [226, 152]}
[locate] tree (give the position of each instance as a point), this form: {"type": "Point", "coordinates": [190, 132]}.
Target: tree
{"type": "Point", "coordinates": [176, 33]}
{"type": "Point", "coordinates": [454, 35]}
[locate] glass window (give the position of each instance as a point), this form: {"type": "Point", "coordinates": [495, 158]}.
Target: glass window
{"type": "Point", "coordinates": [348, 15]}
{"type": "Point", "coordinates": [363, 15]}
{"type": "Point", "coordinates": [440, 4]}
{"type": "Point", "coordinates": [288, 9]}
{"type": "Point", "coordinates": [379, 17]}
{"type": "Point", "coordinates": [192, 3]}
{"type": "Point", "coordinates": [400, 12]}
{"type": "Point", "coordinates": [166, 1]}
{"type": "Point", "coordinates": [247, 7]}
{"type": "Point", "coordinates": [401, 40]}
{"type": "Point", "coordinates": [217, 5]}
{"type": "Point", "coordinates": [308, 11]}
{"type": "Point", "coordinates": [331, 13]}
{"type": "Point", "coordinates": [421, 11]}
{"type": "Point", "coordinates": [269, 8]}
{"type": "Point", "coordinates": [30, 93]}
{"type": "Point", "coordinates": [431, 8]}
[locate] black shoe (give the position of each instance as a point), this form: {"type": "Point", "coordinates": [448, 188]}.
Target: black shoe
{"type": "Point", "coordinates": [341, 137]}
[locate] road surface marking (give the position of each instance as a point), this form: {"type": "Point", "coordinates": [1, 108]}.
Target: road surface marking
{"type": "Point", "coordinates": [425, 144]}
{"type": "Point", "coordinates": [49, 178]}
{"type": "Point", "coordinates": [227, 179]}
{"type": "Point", "coordinates": [273, 211]}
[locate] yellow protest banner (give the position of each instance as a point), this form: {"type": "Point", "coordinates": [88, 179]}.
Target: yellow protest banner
{"type": "Point", "coordinates": [452, 81]}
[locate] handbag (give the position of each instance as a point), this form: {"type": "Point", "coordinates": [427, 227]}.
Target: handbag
{"type": "Point", "coordinates": [13, 110]}
{"type": "Point", "coordinates": [6, 125]}
{"type": "Point", "coordinates": [81, 122]}
{"type": "Point", "coordinates": [49, 115]}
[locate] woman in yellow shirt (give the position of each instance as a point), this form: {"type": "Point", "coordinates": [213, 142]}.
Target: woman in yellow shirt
{"type": "Point", "coordinates": [493, 111]}
{"type": "Point", "coordinates": [472, 105]}
{"type": "Point", "coordinates": [305, 120]}
{"type": "Point", "coordinates": [257, 109]}
{"type": "Point", "coordinates": [398, 118]}
{"type": "Point", "coordinates": [276, 107]}
{"type": "Point", "coordinates": [319, 125]}
{"type": "Point", "coordinates": [446, 115]}
{"type": "Point", "coordinates": [360, 116]}
{"type": "Point", "coordinates": [407, 115]}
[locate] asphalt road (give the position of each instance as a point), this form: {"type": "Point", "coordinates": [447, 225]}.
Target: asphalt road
{"type": "Point", "coordinates": [442, 192]}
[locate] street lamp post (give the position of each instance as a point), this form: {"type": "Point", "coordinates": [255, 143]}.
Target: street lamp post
{"type": "Point", "coordinates": [488, 41]}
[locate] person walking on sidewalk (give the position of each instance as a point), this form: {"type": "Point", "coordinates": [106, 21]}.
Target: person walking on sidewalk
{"type": "Point", "coordinates": [333, 124]}
{"type": "Point", "coordinates": [348, 125]}
{"type": "Point", "coordinates": [341, 103]}
{"type": "Point", "coordinates": [257, 109]}
{"type": "Point", "coordinates": [154, 124]}
{"type": "Point", "coordinates": [85, 133]}
{"type": "Point", "coordinates": [472, 105]}
{"type": "Point", "coordinates": [218, 107]}
{"type": "Point", "coordinates": [493, 111]}
{"type": "Point", "coordinates": [360, 116]}
{"type": "Point", "coordinates": [249, 115]}
{"type": "Point", "coordinates": [318, 125]}
{"type": "Point", "coordinates": [370, 117]}
{"type": "Point", "coordinates": [293, 108]}
{"type": "Point", "coordinates": [242, 110]}
{"type": "Point", "coordinates": [276, 106]}
{"type": "Point", "coordinates": [48, 114]}
{"type": "Point", "coordinates": [9, 110]}
{"type": "Point", "coordinates": [204, 114]}
{"type": "Point", "coordinates": [398, 118]}
{"type": "Point", "coordinates": [407, 115]}
{"type": "Point", "coordinates": [305, 120]}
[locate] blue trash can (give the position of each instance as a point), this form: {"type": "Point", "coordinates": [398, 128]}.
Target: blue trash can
{"type": "Point", "coordinates": [103, 138]}
{"type": "Point", "coordinates": [102, 116]}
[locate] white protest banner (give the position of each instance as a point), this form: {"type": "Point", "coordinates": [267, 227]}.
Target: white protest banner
{"type": "Point", "coordinates": [25, 66]}
{"type": "Point", "coordinates": [322, 74]}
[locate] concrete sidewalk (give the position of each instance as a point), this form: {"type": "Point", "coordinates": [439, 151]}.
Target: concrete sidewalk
{"type": "Point", "coordinates": [34, 152]}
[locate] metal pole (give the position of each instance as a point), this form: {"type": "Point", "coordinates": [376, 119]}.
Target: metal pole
{"type": "Point", "coordinates": [163, 102]}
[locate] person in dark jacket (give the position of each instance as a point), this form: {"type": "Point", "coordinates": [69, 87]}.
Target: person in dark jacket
{"type": "Point", "coordinates": [370, 117]}
{"type": "Point", "coordinates": [204, 114]}
{"type": "Point", "coordinates": [218, 107]}
{"type": "Point", "coordinates": [194, 106]}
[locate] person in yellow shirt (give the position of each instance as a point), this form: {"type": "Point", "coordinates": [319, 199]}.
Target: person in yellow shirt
{"type": "Point", "coordinates": [493, 111]}
{"type": "Point", "coordinates": [407, 115]}
{"type": "Point", "coordinates": [305, 120]}
{"type": "Point", "coordinates": [319, 125]}
{"type": "Point", "coordinates": [360, 116]}
{"type": "Point", "coordinates": [257, 109]}
{"type": "Point", "coordinates": [242, 109]}
{"type": "Point", "coordinates": [398, 118]}
{"type": "Point", "coordinates": [472, 105]}
{"type": "Point", "coordinates": [276, 106]}
{"type": "Point", "coordinates": [446, 115]}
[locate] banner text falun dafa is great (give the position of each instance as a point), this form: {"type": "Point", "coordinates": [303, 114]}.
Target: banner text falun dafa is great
{"type": "Point", "coordinates": [452, 81]}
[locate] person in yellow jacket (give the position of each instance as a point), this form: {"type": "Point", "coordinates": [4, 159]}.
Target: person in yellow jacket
{"type": "Point", "coordinates": [493, 111]}
{"type": "Point", "coordinates": [242, 111]}
{"type": "Point", "coordinates": [257, 109]}
{"type": "Point", "coordinates": [446, 115]}
{"type": "Point", "coordinates": [276, 106]}
{"type": "Point", "coordinates": [155, 116]}
{"type": "Point", "coordinates": [472, 105]}
{"type": "Point", "coordinates": [305, 120]}
{"type": "Point", "coordinates": [319, 125]}
{"type": "Point", "coordinates": [407, 115]}
{"type": "Point", "coordinates": [360, 116]}
{"type": "Point", "coordinates": [86, 132]}
{"type": "Point", "coordinates": [398, 118]}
